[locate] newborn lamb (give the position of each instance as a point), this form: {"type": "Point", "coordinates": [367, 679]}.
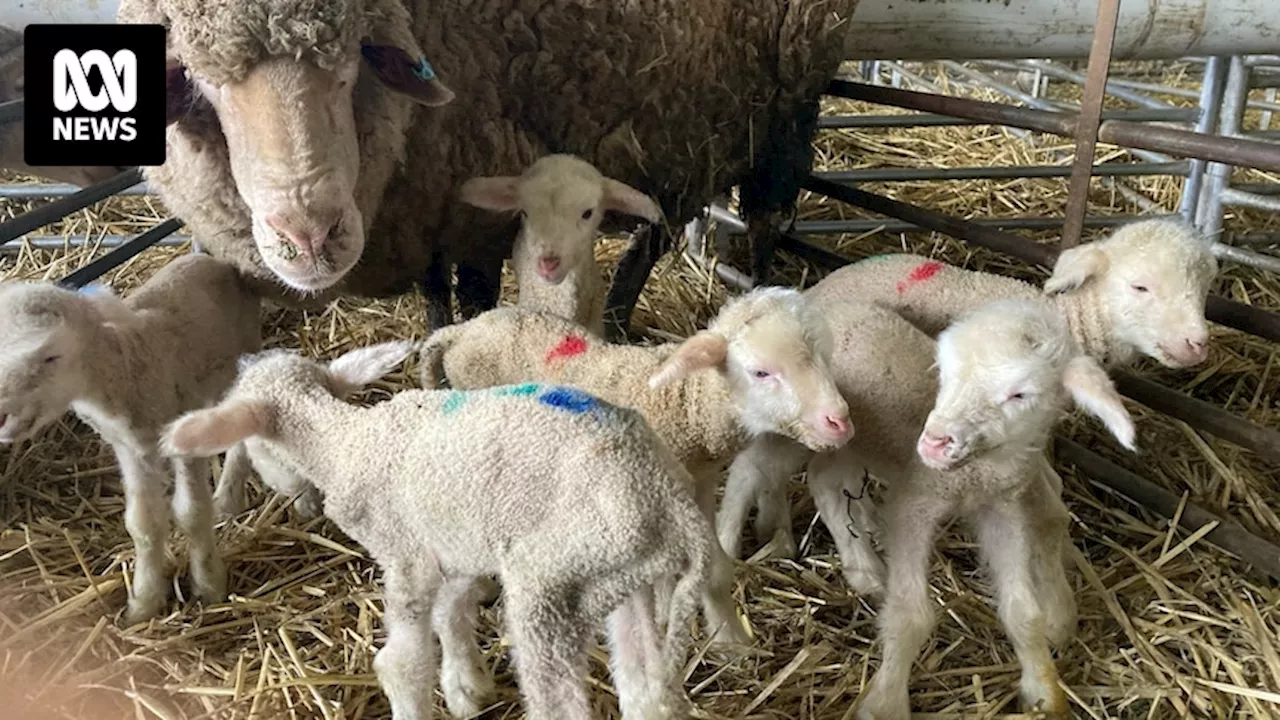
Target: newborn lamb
{"type": "Point", "coordinates": [561, 200]}
{"type": "Point", "coordinates": [126, 368]}
{"type": "Point", "coordinates": [575, 504]}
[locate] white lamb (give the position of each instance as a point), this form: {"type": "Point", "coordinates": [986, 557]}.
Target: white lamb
{"type": "Point", "coordinates": [761, 366]}
{"type": "Point", "coordinates": [1006, 371]}
{"type": "Point", "coordinates": [127, 368]}
{"type": "Point", "coordinates": [561, 200]}
{"type": "Point", "coordinates": [575, 504]}
{"type": "Point", "coordinates": [1140, 291]}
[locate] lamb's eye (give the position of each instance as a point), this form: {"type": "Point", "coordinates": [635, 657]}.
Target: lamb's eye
{"type": "Point", "coordinates": [1018, 396]}
{"type": "Point", "coordinates": [1139, 288]}
{"type": "Point", "coordinates": [586, 214]}
{"type": "Point", "coordinates": [762, 374]}
{"type": "Point", "coordinates": [51, 359]}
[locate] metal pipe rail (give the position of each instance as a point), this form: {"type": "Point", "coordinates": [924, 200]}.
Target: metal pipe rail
{"type": "Point", "coordinates": [842, 122]}
{"type": "Point", "coordinates": [58, 209]}
{"type": "Point", "coordinates": [11, 111]}
{"type": "Point", "coordinates": [40, 191]}
{"type": "Point", "coordinates": [1181, 167]}
{"type": "Point", "coordinates": [1235, 151]}
{"type": "Point", "coordinates": [120, 255]}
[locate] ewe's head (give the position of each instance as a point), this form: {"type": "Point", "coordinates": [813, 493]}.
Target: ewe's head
{"type": "Point", "coordinates": [267, 380]}
{"type": "Point", "coordinates": [774, 348]}
{"type": "Point", "coordinates": [1153, 276]}
{"type": "Point", "coordinates": [43, 331]}
{"type": "Point", "coordinates": [12, 87]}
{"type": "Point", "coordinates": [282, 76]}
{"type": "Point", "coordinates": [561, 200]}
{"type": "Point", "coordinates": [1006, 370]}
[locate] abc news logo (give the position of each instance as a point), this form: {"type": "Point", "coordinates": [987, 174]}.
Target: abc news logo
{"type": "Point", "coordinates": [95, 95]}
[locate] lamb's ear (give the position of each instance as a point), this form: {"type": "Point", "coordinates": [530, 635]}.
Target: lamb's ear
{"type": "Point", "coordinates": [205, 433]}
{"type": "Point", "coordinates": [491, 193]}
{"type": "Point", "coordinates": [1074, 267]}
{"type": "Point", "coordinates": [621, 197]}
{"type": "Point", "coordinates": [411, 76]}
{"type": "Point", "coordinates": [358, 368]}
{"type": "Point", "coordinates": [1092, 390]}
{"type": "Point", "coordinates": [703, 351]}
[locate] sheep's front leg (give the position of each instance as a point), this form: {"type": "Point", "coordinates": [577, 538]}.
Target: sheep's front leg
{"type": "Point", "coordinates": [466, 681]}
{"type": "Point", "coordinates": [146, 516]}
{"type": "Point", "coordinates": [549, 643]}
{"type": "Point", "coordinates": [648, 245]}
{"type": "Point", "coordinates": [760, 473]}
{"type": "Point", "coordinates": [478, 287]}
{"type": "Point", "coordinates": [907, 615]}
{"type": "Point", "coordinates": [1006, 537]}
{"type": "Point", "coordinates": [437, 289]}
{"type": "Point", "coordinates": [839, 486]}
{"type": "Point", "coordinates": [636, 654]}
{"type": "Point", "coordinates": [718, 606]}
{"type": "Point", "coordinates": [1043, 504]}
{"type": "Point", "coordinates": [228, 496]}
{"type": "Point", "coordinates": [407, 664]}
{"type": "Point", "coordinates": [193, 508]}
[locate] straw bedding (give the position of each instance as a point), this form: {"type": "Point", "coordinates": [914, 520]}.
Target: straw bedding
{"type": "Point", "coordinates": [1170, 626]}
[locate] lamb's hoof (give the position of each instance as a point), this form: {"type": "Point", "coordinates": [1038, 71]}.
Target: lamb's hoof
{"type": "Point", "coordinates": [226, 507]}
{"type": "Point", "coordinates": [877, 705]}
{"type": "Point", "coordinates": [730, 634]}
{"type": "Point", "coordinates": [211, 587]}
{"type": "Point", "coordinates": [309, 505]}
{"type": "Point", "coordinates": [1045, 695]}
{"type": "Point", "coordinates": [143, 608]}
{"type": "Point", "coordinates": [467, 689]}
{"type": "Point", "coordinates": [867, 583]}
{"type": "Point", "coordinates": [732, 546]}
{"type": "Point", "coordinates": [784, 545]}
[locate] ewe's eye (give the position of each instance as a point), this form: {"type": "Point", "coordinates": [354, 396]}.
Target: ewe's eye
{"type": "Point", "coordinates": [586, 214]}
{"type": "Point", "coordinates": [1139, 288]}
{"type": "Point", "coordinates": [51, 359]}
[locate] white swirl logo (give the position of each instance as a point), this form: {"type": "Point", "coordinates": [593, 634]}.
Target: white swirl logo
{"type": "Point", "coordinates": [71, 80]}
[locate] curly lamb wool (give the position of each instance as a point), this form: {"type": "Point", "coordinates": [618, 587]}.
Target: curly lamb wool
{"type": "Point", "coordinates": [679, 100]}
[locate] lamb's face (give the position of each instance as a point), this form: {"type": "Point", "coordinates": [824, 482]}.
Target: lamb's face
{"type": "Point", "coordinates": [777, 364]}
{"type": "Point", "coordinates": [1000, 384]}
{"type": "Point", "coordinates": [560, 207]}
{"type": "Point", "coordinates": [1157, 283]}
{"type": "Point", "coordinates": [290, 131]}
{"type": "Point", "coordinates": [40, 350]}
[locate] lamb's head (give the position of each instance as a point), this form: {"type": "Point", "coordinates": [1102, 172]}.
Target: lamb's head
{"type": "Point", "coordinates": [1006, 370]}
{"type": "Point", "coordinates": [267, 381]}
{"type": "Point", "coordinates": [283, 77]}
{"type": "Point", "coordinates": [12, 87]}
{"type": "Point", "coordinates": [561, 200]}
{"type": "Point", "coordinates": [774, 348]}
{"type": "Point", "coordinates": [44, 331]}
{"type": "Point", "coordinates": [1153, 278]}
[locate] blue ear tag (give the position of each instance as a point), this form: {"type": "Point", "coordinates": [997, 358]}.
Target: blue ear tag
{"type": "Point", "coordinates": [95, 289]}
{"type": "Point", "coordinates": [423, 71]}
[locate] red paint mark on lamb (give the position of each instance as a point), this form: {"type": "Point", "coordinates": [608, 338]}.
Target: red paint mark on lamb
{"type": "Point", "coordinates": [571, 345]}
{"type": "Point", "coordinates": [919, 274]}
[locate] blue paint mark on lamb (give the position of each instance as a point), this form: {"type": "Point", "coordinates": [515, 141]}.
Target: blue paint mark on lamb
{"type": "Point", "coordinates": [571, 399]}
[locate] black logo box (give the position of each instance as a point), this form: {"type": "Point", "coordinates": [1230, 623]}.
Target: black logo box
{"type": "Point", "coordinates": [43, 41]}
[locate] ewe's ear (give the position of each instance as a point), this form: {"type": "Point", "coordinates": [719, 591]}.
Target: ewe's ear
{"type": "Point", "coordinates": [703, 351]}
{"type": "Point", "coordinates": [179, 93]}
{"type": "Point", "coordinates": [491, 193]}
{"type": "Point", "coordinates": [413, 77]}
{"type": "Point", "coordinates": [1092, 390]}
{"type": "Point", "coordinates": [621, 197]}
{"type": "Point", "coordinates": [1074, 267]}
{"type": "Point", "coordinates": [205, 433]}
{"type": "Point", "coordinates": [358, 368]}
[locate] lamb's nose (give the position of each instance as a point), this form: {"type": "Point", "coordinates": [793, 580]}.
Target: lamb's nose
{"type": "Point", "coordinates": [937, 442]}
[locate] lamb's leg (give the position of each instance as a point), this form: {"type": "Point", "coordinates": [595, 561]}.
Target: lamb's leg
{"type": "Point", "coordinates": [193, 508]}
{"type": "Point", "coordinates": [648, 245]}
{"type": "Point", "coordinates": [406, 665]}
{"type": "Point", "coordinates": [839, 486]}
{"type": "Point", "coordinates": [1006, 536]}
{"type": "Point", "coordinates": [636, 654]}
{"type": "Point", "coordinates": [438, 292]}
{"type": "Point", "coordinates": [478, 287]}
{"type": "Point", "coordinates": [549, 642]}
{"type": "Point", "coordinates": [146, 517]}
{"type": "Point", "coordinates": [228, 496]}
{"type": "Point", "coordinates": [760, 473]}
{"type": "Point", "coordinates": [1043, 503]}
{"type": "Point", "coordinates": [718, 606]}
{"type": "Point", "coordinates": [907, 615]}
{"type": "Point", "coordinates": [464, 677]}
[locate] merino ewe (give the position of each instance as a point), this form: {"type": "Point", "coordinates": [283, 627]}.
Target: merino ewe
{"type": "Point", "coordinates": [761, 366]}
{"type": "Point", "coordinates": [307, 173]}
{"type": "Point", "coordinates": [127, 368]}
{"type": "Point", "coordinates": [1006, 370]}
{"type": "Point", "coordinates": [581, 515]}
{"type": "Point", "coordinates": [561, 200]}
{"type": "Point", "coordinates": [1141, 291]}
{"type": "Point", "coordinates": [12, 87]}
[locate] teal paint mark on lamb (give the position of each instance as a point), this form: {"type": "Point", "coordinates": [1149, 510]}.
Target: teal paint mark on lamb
{"type": "Point", "coordinates": [517, 390]}
{"type": "Point", "coordinates": [453, 402]}
{"type": "Point", "coordinates": [873, 258]}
